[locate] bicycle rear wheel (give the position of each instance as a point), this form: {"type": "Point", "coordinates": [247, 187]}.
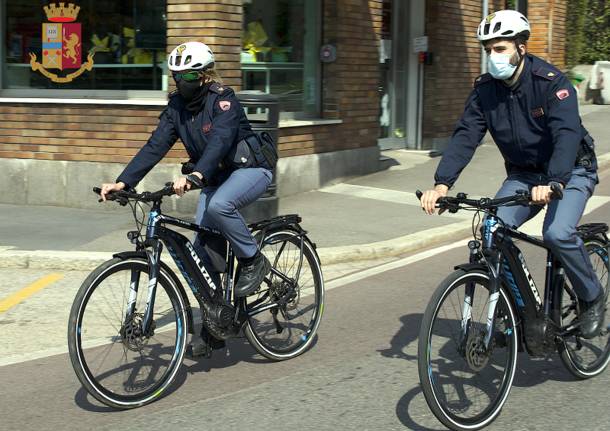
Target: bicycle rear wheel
{"type": "Point", "coordinates": [287, 329]}
{"type": "Point", "coordinates": [113, 360]}
{"type": "Point", "coordinates": [585, 358]}
{"type": "Point", "coordinates": [464, 385]}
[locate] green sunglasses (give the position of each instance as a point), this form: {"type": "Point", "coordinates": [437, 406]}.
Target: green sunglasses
{"type": "Point", "coordinates": [193, 75]}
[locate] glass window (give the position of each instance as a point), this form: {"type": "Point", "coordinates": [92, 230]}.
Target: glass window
{"type": "Point", "coordinates": [128, 39]}
{"type": "Point", "coordinates": [280, 46]}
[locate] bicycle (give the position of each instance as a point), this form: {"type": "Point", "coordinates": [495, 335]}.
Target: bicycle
{"type": "Point", "coordinates": [127, 337]}
{"type": "Point", "coordinates": [486, 311]}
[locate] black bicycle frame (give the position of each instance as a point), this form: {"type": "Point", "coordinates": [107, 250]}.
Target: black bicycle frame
{"type": "Point", "coordinates": [188, 262]}
{"type": "Point", "coordinates": [507, 264]}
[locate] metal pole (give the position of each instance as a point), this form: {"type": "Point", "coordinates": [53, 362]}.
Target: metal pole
{"type": "Point", "coordinates": [3, 52]}
{"type": "Point", "coordinates": [483, 57]}
{"type": "Point", "coordinates": [420, 107]}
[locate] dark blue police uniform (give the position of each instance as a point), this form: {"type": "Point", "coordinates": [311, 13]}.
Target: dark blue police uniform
{"type": "Point", "coordinates": [209, 135]}
{"type": "Point", "coordinates": [537, 128]}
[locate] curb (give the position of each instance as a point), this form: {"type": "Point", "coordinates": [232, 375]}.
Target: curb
{"type": "Point", "coordinates": [396, 246]}
{"type": "Point", "coordinates": [82, 260]}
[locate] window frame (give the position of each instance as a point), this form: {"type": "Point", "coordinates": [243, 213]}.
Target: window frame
{"type": "Point", "coordinates": [310, 55]}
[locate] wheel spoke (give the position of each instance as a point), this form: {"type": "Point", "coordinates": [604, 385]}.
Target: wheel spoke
{"type": "Point", "coordinates": [468, 386]}
{"type": "Point", "coordinates": [298, 297]}
{"type": "Point", "coordinates": [123, 366]}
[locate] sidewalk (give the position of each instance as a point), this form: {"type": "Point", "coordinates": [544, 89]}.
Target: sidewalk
{"type": "Point", "coordinates": [368, 217]}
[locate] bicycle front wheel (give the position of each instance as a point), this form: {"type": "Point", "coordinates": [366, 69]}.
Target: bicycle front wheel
{"type": "Point", "coordinates": [291, 305]}
{"type": "Point", "coordinates": [465, 384]}
{"type": "Point", "coordinates": [113, 359]}
{"type": "Point", "coordinates": [586, 358]}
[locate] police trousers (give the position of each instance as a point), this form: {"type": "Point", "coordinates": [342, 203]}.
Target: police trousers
{"type": "Point", "coordinates": [219, 209]}
{"type": "Point", "coordinates": [559, 229]}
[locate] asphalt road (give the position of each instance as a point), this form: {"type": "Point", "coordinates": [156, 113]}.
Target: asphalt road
{"type": "Point", "coordinates": [360, 375]}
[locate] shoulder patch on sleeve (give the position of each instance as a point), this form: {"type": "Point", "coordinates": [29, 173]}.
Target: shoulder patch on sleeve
{"type": "Point", "coordinates": [546, 73]}
{"type": "Point", "coordinates": [218, 88]}
{"type": "Point", "coordinates": [486, 77]}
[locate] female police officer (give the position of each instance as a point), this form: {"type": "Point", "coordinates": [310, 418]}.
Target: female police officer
{"type": "Point", "coordinates": [209, 120]}
{"type": "Point", "coordinates": [531, 111]}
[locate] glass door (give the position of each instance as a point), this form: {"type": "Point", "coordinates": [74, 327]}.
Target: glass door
{"type": "Point", "coordinates": [393, 58]}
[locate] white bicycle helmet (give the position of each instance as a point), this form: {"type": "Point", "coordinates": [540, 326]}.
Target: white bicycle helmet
{"type": "Point", "coordinates": [505, 24]}
{"type": "Point", "coordinates": [190, 56]}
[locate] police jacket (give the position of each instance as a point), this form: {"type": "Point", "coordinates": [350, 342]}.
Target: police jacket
{"type": "Point", "coordinates": [535, 124]}
{"type": "Point", "coordinates": [208, 135]}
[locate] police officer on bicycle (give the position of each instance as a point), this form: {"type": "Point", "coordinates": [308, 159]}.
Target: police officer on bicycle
{"type": "Point", "coordinates": [531, 111]}
{"type": "Point", "coordinates": [209, 120]}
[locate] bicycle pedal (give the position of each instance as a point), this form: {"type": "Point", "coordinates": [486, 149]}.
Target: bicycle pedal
{"type": "Point", "coordinates": [198, 351]}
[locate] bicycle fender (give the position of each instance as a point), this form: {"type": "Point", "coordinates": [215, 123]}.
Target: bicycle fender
{"type": "Point", "coordinates": [471, 267]}
{"type": "Point", "coordinates": [124, 255]}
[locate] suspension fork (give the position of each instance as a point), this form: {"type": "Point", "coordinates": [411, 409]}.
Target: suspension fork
{"type": "Point", "coordinates": [473, 246]}
{"type": "Point", "coordinates": [134, 285]}
{"type": "Point", "coordinates": [494, 295]}
{"type": "Point", "coordinates": [153, 255]}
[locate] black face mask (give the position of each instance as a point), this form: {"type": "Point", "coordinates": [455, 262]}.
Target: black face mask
{"type": "Point", "coordinates": [189, 89]}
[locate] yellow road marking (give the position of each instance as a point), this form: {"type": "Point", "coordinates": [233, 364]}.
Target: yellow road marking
{"type": "Point", "coordinates": [26, 292]}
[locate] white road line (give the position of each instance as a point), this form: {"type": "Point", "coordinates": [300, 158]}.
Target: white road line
{"type": "Point", "coordinates": [338, 282]}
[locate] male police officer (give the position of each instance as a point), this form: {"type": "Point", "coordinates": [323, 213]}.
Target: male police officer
{"type": "Point", "coordinates": [531, 111]}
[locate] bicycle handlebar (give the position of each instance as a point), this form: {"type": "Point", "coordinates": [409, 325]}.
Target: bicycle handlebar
{"type": "Point", "coordinates": [123, 196]}
{"type": "Point", "coordinates": [452, 204]}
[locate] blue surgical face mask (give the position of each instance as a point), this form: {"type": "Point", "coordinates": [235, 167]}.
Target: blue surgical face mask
{"type": "Point", "coordinates": [500, 67]}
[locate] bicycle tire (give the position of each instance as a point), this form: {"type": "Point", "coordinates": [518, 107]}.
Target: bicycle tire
{"type": "Point", "coordinates": [572, 359]}
{"type": "Point", "coordinates": [259, 334]}
{"type": "Point", "coordinates": [78, 352]}
{"type": "Point", "coordinates": [438, 403]}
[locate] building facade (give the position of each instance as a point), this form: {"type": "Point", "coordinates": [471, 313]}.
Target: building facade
{"type": "Point", "coordinates": [352, 77]}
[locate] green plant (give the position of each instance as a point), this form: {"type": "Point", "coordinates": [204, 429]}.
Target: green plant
{"type": "Point", "coordinates": [588, 31]}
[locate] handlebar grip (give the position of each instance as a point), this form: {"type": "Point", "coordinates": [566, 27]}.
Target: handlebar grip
{"type": "Point", "coordinates": [557, 190]}
{"type": "Point", "coordinates": [419, 194]}
{"type": "Point", "coordinates": [196, 183]}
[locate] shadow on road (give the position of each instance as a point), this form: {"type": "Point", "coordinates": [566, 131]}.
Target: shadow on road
{"type": "Point", "coordinates": [403, 345]}
{"type": "Point", "coordinates": [237, 350]}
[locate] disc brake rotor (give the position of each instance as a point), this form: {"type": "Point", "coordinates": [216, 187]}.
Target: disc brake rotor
{"type": "Point", "coordinates": [132, 333]}
{"type": "Point", "coordinates": [476, 355]}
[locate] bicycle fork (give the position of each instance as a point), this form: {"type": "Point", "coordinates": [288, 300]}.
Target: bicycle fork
{"type": "Point", "coordinates": [153, 256]}
{"type": "Point", "coordinates": [494, 295]}
{"type": "Point", "coordinates": [468, 300]}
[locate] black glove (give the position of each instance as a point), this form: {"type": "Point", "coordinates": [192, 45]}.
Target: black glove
{"type": "Point", "coordinates": [195, 181]}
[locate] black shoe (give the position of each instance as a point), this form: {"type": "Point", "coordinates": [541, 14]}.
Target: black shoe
{"type": "Point", "coordinates": [204, 345]}
{"type": "Point", "coordinates": [251, 275]}
{"type": "Point", "coordinates": [592, 316]}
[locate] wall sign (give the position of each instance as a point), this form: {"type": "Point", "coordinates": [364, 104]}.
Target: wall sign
{"type": "Point", "coordinates": [420, 44]}
{"type": "Point", "coordinates": [328, 53]}
{"type": "Point", "coordinates": [61, 44]}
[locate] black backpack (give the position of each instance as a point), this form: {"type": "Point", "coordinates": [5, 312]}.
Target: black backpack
{"type": "Point", "coordinates": [256, 150]}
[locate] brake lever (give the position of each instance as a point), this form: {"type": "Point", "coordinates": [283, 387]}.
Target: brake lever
{"type": "Point", "coordinates": [557, 190]}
